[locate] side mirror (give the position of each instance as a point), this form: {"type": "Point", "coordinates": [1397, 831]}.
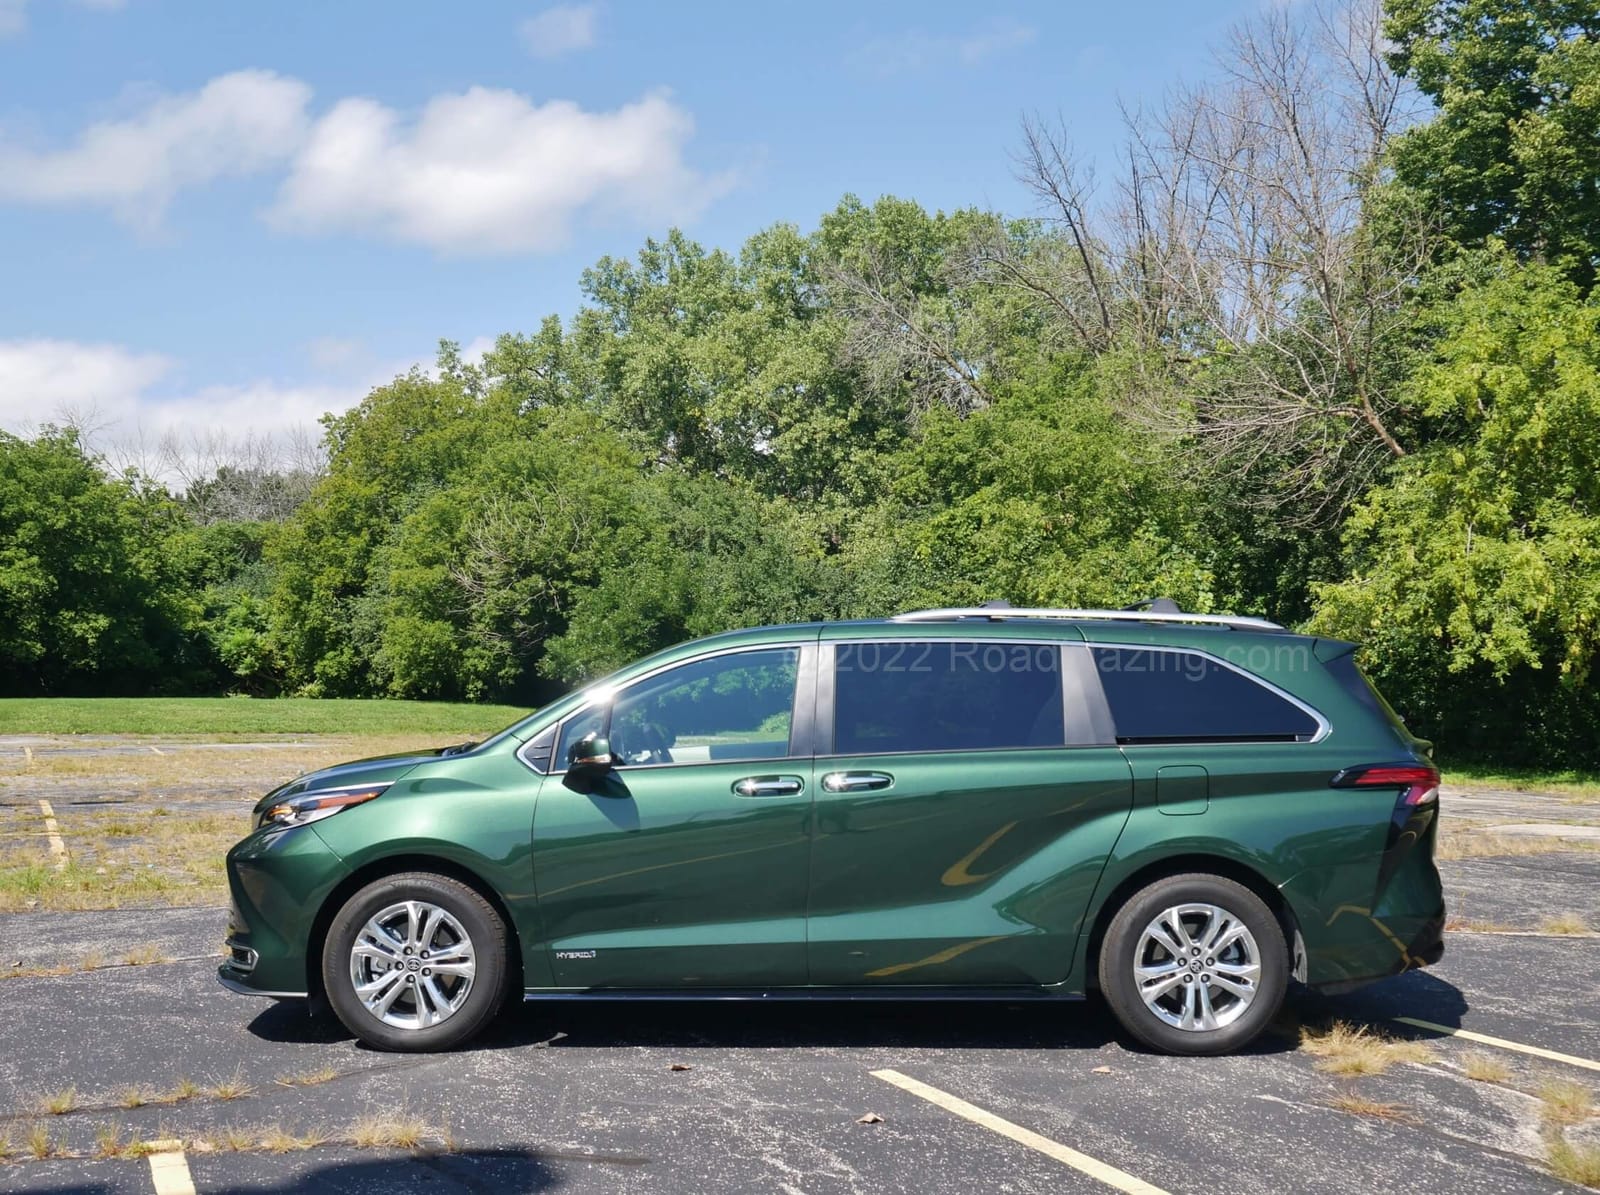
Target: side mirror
{"type": "Point", "coordinates": [589, 761]}
{"type": "Point", "coordinates": [593, 752]}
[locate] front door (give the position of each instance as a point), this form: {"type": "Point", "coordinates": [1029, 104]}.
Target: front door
{"type": "Point", "coordinates": [688, 867]}
{"type": "Point", "coordinates": [964, 813]}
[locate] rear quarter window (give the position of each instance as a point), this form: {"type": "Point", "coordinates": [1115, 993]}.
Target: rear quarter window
{"type": "Point", "coordinates": [1185, 697]}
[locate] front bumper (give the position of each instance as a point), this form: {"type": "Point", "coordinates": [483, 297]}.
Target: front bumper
{"type": "Point", "coordinates": [278, 879]}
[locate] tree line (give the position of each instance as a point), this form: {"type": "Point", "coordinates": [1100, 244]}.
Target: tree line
{"type": "Point", "coordinates": [1323, 346]}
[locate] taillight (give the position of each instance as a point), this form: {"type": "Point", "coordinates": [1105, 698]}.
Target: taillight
{"type": "Point", "coordinates": [1419, 782]}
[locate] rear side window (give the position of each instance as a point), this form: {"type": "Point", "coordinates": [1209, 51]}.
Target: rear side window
{"type": "Point", "coordinates": [946, 696]}
{"type": "Point", "coordinates": [1353, 682]}
{"type": "Point", "coordinates": [1184, 697]}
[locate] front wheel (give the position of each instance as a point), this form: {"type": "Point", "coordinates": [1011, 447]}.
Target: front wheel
{"type": "Point", "coordinates": [1194, 964]}
{"type": "Point", "coordinates": [415, 961]}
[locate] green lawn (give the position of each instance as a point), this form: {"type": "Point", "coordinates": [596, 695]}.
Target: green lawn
{"type": "Point", "coordinates": [228, 716]}
{"type": "Point", "coordinates": [1576, 783]}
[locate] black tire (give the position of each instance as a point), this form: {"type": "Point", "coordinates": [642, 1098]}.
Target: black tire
{"type": "Point", "coordinates": [1239, 1020]}
{"type": "Point", "coordinates": [485, 989]}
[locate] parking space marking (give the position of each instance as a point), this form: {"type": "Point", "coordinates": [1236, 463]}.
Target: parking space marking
{"type": "Point", "coordinates": [53, 833]}
{"type": "Point", "coordinates": [169, 1171]}
{"type": "Point", "coordinates": [156, 749]}
{"type": "Point", "coordinates": [1100, 1171]}
{"type": "Point", "coordinates": [1485, 1040]}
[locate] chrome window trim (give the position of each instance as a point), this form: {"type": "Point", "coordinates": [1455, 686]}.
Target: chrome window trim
{"type": "Point", "coordinates": [1324, 727]}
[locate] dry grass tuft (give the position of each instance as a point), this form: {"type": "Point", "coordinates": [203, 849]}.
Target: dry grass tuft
{"type": "Point", "coordinates": [1578, 1164]}
{"type": "Point", "coordinates": [1360, 1105]}
{"type": "Point", "coordinates": [108, 1142]}
{"type": "Point", "coordinates": [1471, 925]}
{"type": "Point", "coordinates": [134, 1097]}
{"type": "Point", "coordinates": [1565, 923]}
{"type": "Point", "coordinates": [323, 1074]}
{"type": "Point", "coordinates": [1470, 844]}
{"type": "Point", "coordinates": [39, 1143]}
{"type": "Point", "coordinates": [1485, 1068]}
{"type": "Point", "coordinates": [144, 955]}
{"type": "Point", "coordinates": [59, 1103]}
{"type": "Point", "coordinates": [278, 1140]}
{"type": "Point", "coordinates": [388, 1130]}
{"type": "Point", "coordinates": [1565, 1102]}
{"type": "Point", "coordinates": [8, 1149]}
{"type": "Point", "coordinates": [1345, 1049]}
{"type": "Point", "coordinates": [234, 1088]}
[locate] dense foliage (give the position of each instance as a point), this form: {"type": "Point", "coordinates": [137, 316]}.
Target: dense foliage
{"type": "Point", "coordinates": [1367, 404]}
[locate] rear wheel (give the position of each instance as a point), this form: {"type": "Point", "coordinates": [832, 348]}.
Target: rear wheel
{"type": "Point", "coordinates": [1194, 964]}
{"type": "Point", "coordinates": [415, 961]}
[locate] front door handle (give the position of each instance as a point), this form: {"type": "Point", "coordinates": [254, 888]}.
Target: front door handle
{"type": "Point", "coordinates": [856, 782]}
{"type": "Point", "coordinates": [769, 786]}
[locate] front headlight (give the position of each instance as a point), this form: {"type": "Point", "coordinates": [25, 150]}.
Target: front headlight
{"type": "Point", "coordinates": [314, 806]}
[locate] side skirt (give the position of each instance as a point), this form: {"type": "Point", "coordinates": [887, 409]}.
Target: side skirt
{"type": "Point", "coordinates": [1017, 995]}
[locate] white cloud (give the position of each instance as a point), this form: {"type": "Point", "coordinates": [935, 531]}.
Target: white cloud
{"type": "Point", "coordinates": [240, 123]}
{"type": "Point", "coordinates": [129, 406]}
{"type": "Point", "coordinates": [918, 50]}
{"type": "Point", "coordinates": [56, 380]}
{"type": "Point", "coordinates": [491, 171]}
{"type": "Point", "coordinates": [560, 30]}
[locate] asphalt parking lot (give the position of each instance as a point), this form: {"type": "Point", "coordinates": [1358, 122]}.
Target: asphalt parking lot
{"type": "Point", "coordinates": [720, 1097]}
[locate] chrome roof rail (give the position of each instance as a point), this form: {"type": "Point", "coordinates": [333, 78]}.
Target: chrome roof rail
{"type": "Point", "coordinates": [1002, 613]}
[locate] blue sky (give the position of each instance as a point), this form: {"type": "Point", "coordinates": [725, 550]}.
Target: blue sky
{"type": "Point", "coordinates": [242, 214]}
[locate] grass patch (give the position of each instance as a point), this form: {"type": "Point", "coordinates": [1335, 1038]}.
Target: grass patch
{"type": "Point", "coordinates": [235, 1088]}
{"type": "Point", "coordinates": [1459, 843]}
{"type": "Point", "coordinates": [144, 955]}
{"type": "Point", "coordinates": [1565, 923]}
{"type": "Point", "coordinates": [108, 1142]}
{"type": "Point", "coordinates": [1485, 1068]}
{"type": "Point", "coordinates": [323, 1074]}
{"type": "Point", "coordinates": [188, 716]}
{"type": "Point", "coordinates": [1470, 925]}
{"type": "Point", "coordinates": [1343, 1049]}
{"type": "Point", "coordinates": [1578, 1164]}
{"type": "Point", "coordinates": [1570, 782]}
{"type": "Point", "coordinates": [388, 1130]}
{"type": "Point", "coordinates": [1565, 1102]}
{"type": "Point", "coordinates": [39, 1143]}
{"type": "Point", "coordinates": [59, 1103]}
{"type": "Point", "coordinates": [1360, 1105]}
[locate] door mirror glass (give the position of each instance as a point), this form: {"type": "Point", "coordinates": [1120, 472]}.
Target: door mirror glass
{"type": "Point", "coordinates": [591, 753]}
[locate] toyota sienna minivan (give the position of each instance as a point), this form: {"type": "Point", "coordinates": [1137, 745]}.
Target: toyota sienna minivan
{"type": "Point", "coordinates": [1182, 812]}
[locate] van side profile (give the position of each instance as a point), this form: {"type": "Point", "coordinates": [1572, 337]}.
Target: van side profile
{"type": "Point", "coordinates": [1183, 812]}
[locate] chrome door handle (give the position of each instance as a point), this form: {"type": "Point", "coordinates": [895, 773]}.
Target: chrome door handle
{"type": "Point", "coordinates": [856, 782]}
{"type": "Point", "coordinates": [769, 786]}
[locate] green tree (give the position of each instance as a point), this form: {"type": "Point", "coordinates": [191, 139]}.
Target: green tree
{"type": "Point", "coordinates": [1514, 148]}
{"type": "Point", "coordinates": [90, 600]}
{"type": "Point", "coordinates": [1474, 573]}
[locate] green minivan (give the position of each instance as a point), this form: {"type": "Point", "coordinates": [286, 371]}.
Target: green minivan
{"type": "Point", "coordinates": [1183, 812]}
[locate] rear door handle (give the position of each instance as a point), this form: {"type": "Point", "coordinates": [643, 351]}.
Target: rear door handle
{"type": "Point", "coordinates": [769, 786]}
{"type": "Point", "coordinates": [856, 782]}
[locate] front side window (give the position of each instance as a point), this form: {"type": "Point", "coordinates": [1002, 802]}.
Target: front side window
{"type": "Point", "coordinates": [946, 695]}
{"type": "Point", "coordinates": [1185, 697]}
{"type": "Point", "coordinates": [730, 707]}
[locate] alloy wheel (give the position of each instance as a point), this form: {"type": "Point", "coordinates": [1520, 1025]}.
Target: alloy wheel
{"type": "Point", "coordinates": [412, 965]}
{"type": "Point", "coordinates": [1197, 967]}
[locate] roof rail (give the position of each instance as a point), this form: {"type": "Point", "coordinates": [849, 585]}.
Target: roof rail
{"type": "Point", "coordinates": [999, 613]}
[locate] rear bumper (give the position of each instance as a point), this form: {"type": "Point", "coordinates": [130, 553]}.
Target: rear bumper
{"type": "Point", "coordinates": [1425, 948]}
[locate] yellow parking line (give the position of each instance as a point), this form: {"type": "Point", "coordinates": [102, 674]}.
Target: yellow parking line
{"type": "Point", "coordinates": [156, 749]}
{"type": "Point", "coordinates": [53, 833]}
{"type": "Point", "coordinates": [1485, 1040]}
{"type": "Point", "coordinates": [169, 1172]}
{"type": "Point", "coordinates": [1083, 1163]}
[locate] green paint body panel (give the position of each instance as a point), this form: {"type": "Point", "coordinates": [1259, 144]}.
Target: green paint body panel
{"type": "Point", "coordinates": [978, 870]}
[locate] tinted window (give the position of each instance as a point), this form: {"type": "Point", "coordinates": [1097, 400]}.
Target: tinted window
{"type": "Point", "coordinates": [731, 707]}
{"type": "Point", "coordinates": [945, 696]}
{"type": "Point", "coordinates": [1352, 680]}
{"type": "Point", "coordinates": [1176, 696]}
